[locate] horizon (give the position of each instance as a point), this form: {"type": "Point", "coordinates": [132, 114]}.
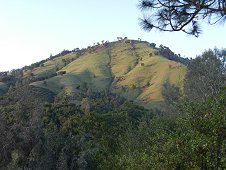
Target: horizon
{"type": "Point", "coordinates": [31, 31]}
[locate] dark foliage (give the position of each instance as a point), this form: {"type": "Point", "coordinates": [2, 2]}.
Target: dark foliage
{"type": "Point", "coordinates": [206, 75]}
{"type": "Point", "coordinates": [61, 134]}
{"type": "Point", "coordinates": [167, 53]}
{"type": "Point", "coordinates": [181, 15]}
{"type": "Point", "coordinates": [62, 53]}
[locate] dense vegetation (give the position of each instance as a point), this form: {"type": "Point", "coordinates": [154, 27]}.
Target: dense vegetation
{"type": "Point", "coordinates": [66, 133]}
{"type": "Point", "coordinates": [101, 130]}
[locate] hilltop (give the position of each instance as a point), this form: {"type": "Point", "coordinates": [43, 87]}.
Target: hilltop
{"type": "Point", "coordinates": [134, 69]}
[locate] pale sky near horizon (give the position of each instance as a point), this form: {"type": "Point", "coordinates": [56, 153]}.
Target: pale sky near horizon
{"type": "Point", "coordinates": [33, 29]}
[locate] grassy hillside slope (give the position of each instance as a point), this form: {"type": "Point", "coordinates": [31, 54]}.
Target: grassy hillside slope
{"type": "Point", "coordinates": [51, 66]}
{"type": "Point", "coordinates": [133, 70]}
{"type": "Point", "coordinates": [143, 81]}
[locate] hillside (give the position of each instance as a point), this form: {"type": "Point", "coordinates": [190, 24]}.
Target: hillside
{"type": "Point", "coordinates": [133, 69]}
{"type": "Point", "coordinates": [83, 109]}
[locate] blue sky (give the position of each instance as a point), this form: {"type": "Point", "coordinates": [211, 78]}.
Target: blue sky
{"type": "Point", "coordinates": [32, 29]}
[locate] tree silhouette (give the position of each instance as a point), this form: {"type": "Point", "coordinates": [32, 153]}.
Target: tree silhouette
{"type": "Point", "coordinates": [181, 15]}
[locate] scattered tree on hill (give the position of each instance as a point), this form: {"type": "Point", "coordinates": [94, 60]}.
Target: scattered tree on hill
{"type": "Point", "coordinates": [182, 15]}
{"type": "Point", "coordinates": [119, 38]}
{"type": "Point", "coordinates": [153, 45]}
{"type": "Point", "coordinates": [61, 72]}
{"type": "Point", "coordinates": [166, 52]}
{"type": "Point", "coordinates": [134, 86]}
{"type": "Point", "coordinates": [75, 49]}
{"type": "Point", "coordinates": [156, 53]}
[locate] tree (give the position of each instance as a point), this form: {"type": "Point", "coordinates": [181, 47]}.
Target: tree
{"type": "Point", "coordinates": [182, 15]}
{"type": "Point", "coordinates": [206, 75]}
{"type": "Point", "coordinates": [85, 106]}
{"type": "Point", "coordinates": [199, 139]}
{"type": "Point", "coordinates": [44, 83]}
{"type": "Point", "coordinates": [171, 93]}
{"type": "Point", "coordinates": [153, 45]}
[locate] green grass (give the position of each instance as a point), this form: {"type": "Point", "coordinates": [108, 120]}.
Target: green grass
{"type": "Point", "coordinates": [60, 83]}
{"type": "Point", "coordinates": [137, 75]}
{"type": "Point", "coordinates": [123, 59]}
{"type": "Point", "coordinates": [91, 69]}
{"type": "Point", "coordinates": [150, 76]}
{"type": "Point", "coordinates": [52, 66]}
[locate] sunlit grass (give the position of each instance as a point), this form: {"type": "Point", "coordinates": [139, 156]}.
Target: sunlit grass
{"type": "Point", "coordinates": [134, 72]}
